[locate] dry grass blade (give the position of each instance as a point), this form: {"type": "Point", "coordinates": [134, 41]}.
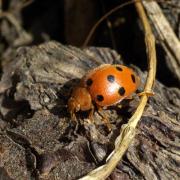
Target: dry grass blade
{"type": "Point", "coordinates": [128, 130]}
{"type": "Point", "coordinates": [102, 19]}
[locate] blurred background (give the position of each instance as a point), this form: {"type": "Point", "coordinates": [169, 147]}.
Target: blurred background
{"type": "Point", "coordinates": [31, 22]}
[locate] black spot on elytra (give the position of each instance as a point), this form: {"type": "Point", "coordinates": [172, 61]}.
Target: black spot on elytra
{"type": "Point", "coordinates": [110, 78]}
{"type": "Point", "coordinates": [89, 82]}
{"type": "Point", "coordinates": [100, 98]}
{"type": "Point", "coordinates": [119, 68]}
{"type": "Point", "coordinates": [121, 91]}
{"type": "Point", "coordinates": [133, 78]}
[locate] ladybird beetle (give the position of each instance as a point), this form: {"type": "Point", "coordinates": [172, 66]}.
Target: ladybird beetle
{"type": "Point", "coordinates": [103, 86]}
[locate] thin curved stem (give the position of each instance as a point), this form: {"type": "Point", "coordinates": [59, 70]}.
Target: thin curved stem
{"type": "Point", "coordinates": [128, 130]}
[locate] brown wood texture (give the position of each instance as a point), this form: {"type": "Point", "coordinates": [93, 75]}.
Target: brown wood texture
{"type": "Point", "coordinates": [39, 140]}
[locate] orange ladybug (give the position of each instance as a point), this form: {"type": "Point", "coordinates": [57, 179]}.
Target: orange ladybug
{"type": "Point", "coordinates": [103, 86]}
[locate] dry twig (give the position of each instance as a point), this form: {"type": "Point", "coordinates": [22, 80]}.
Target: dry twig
{"type": "Point", "coordinates": [128, 130]}
{"type": "Point", "coordinates": [169, 41]}
{"type": "Point", "coordinates": [23, 36]}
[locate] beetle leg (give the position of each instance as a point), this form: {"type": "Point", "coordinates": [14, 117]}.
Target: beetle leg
{"type": "Point", "coordinates": [107, 123]}
{"type": "Point", "coordinates": [104, 118]}
{"type": "Point", "coordinates": [129, 98]}
{"type": "Point", "coordinates": [73, 117]}
{"type": "Point", "coordinates": [91, 114]}
{"type": "Point", "coordinates": [147, 93]}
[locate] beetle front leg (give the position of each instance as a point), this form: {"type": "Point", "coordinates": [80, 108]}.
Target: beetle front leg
{"type": "Point", "coordinates": [91, 113]}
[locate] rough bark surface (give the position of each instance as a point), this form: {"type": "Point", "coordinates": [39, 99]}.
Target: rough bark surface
{"type": "Point", "coordinates": [38, 140]}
